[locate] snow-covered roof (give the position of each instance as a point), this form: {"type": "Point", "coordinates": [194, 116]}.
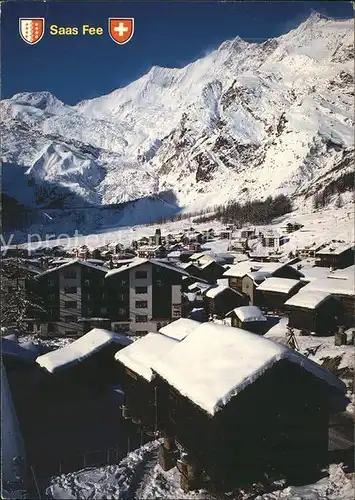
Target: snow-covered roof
{"type": "Point", "coordinates": [280, 285]}
{"type": "Point", "coordinates": [78, 262]}
{"type": "Point", "coordinates": [238, 270]}
{"type": "Point", "coordinates": [206, 261]}
{"type": "Point", "coordinates": [149, 248]}
{"type": "Point", "coordinates": [248, 314]}
{"type": "Point", "coordinates": [247, 266]}
{"type": "Point", "coordinates": [222, 281]}
{"type": "Point", "coordinates": [333, 286]}
{"type": "Point", "coordinates": [312, 273]}
{"type": "Point", "coordinates": [12, 349]}
{"type": "Point", "coordinates": [335, 248]}
{"type": "Point", "coordinates": [138, 262]}
{"type": "Point", "coordinates": [185, 265]}
{"type": "Point", "coordinates": [215, 363]}
{"type": "Point", "coordinates": [309, 299]}
{"type": "Point", "coordinates": [80, 349]}
{"type": "Point", "coordinates": [259, 275]}
{"type": "Point", "coordinates": [180, 328]}
{"type": "Point", "coordinates": [140, 355]}
{"type": "Point", "coordinates": [197, 256]}
{"type": "Point", "coordinates": [199, 285]}
{"type": "Point", "coordinates": [214, 291]}
{"type": "Point", "coordinates": [347, 273]}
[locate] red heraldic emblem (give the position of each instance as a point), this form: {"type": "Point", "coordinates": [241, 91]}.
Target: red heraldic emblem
{"type": "Point", "coordinates": [31, 30]}
{"type": "Point", "coordinates": [121, 30]}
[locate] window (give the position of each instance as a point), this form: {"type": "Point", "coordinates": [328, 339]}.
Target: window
{"type": "Point", "coordinates": [122, 328]}
{"type": "Point", "coordinates": [103, 310]}
{"type": "Point", "coordinates": [141, 304]}
{"type": "Point", "coordinates": [141, 332]}
{"type": "Point", "coordinates": [141, 289]}
{"type": "Point", "coordinates": [52, 327]}
{"type": "Point", "coordinates": [70, 289]}
{"type": "Point", "coordinates": [122, 311]}
{"type": "Point", "coordinates": [87, 282]}
{"type": "Point", "coordinates": [70, 319]}
{"type": "Point", "coordinates": [50, 282]}
{"type": "Point", "coordinates": [141, 275]}
{"type": "Point", "coordinates": [70, 304]}
{"type": "Point", "coordinates": [141, 318]}
{"type": "Point", "coordinates": [51, 296]}
{"type": "Point", "coordinates": [70, 275]}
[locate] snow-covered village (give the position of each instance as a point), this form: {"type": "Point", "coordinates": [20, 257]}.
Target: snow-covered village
{"type": "Point", "coordinates": [178, 277]}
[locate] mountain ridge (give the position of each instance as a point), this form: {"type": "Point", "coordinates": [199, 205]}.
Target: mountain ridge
{"type": "Point", "coordinates": [247, 120]}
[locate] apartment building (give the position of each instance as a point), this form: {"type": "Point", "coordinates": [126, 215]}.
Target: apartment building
{"type": "Point", "coordinates": [74, 299]}
{"type": "Point", "coordinates": [144, 295]}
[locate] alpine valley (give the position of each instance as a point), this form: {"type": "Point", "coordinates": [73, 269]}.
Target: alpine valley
{"type": "Point", "coordinates": [247, 121]}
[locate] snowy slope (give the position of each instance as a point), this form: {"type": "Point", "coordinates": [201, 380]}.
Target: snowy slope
{"type": "Point", "coordinates": [247, 120]}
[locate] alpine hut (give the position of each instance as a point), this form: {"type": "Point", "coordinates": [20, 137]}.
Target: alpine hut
{"type": "Point", "coordinates": [137, 379]}
{"type": "Point", "coordinates": [248, 318]}
{"type": "Point", "coordinates": [86, 362]}
{"type": "Point", "coordinates": [221, 299]}
{"type": "Point", "coordinates": [211, 387]}
{"type": "Point", "coordinates": [274, 292]}
{"type": "Point", "coordinates": [314, 311]}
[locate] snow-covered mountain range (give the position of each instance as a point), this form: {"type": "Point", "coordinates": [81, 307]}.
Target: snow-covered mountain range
{"type": "Point", "coordinates": [246, 121]}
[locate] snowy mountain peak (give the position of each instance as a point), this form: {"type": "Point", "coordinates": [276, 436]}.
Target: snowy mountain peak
{"type": "Point", "coordinates": [44, 100]}
{"type": "Point", "coordinates": [235, 44]}
{"type": "Point", "coordinates": [248, 120]}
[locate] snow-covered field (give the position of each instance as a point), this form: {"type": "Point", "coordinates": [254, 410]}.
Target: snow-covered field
{"type": "Point", "coordinates": [138, 476]}
{"type": "Point", "coordinates": [319, 226]}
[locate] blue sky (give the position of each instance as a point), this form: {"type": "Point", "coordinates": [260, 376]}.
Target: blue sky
{"type": "Point", "coordinates": [166, 34]}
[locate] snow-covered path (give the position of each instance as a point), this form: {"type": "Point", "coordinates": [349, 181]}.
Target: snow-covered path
{"type": "Point", "coordinates": [138, 476]}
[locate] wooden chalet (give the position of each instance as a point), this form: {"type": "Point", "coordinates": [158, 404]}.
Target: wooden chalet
{"type": "Point", "coordinates": [343, 290]}
{"type": "Point", "coordinates": [226, 234]}
{"type": "Point", "coordinates": [247, 232]}
{"type": "Point", "coordinates": [309, 251]}
{"type": "Point", "coordinates": [273, 239]}
{"type": "Point", "coordinates": [133, 365]}
{"type": "Point", "coordinates": [313, 311]}
{"type": "Point", "coordinates": [290, 227]}
{"type": "Point", "coordinates": [88, 362]}
{"type": "Point", "coordinates": [251, 281]}
{"type": "Point", "coordinates": [151, 252]}
{"type": "Point", "coordinates": [274, 292]}
{"type": "Point", "coordinates": [336, 255]}
{"type": "Point", "coordinates": [193, 237]}
{"type": "Point", "coordinates": [248, 318]}
{"type": "Point", "coordinates": [246, 275]}
{"type": "Point", "coordinates": [210, 389]}
{"type": "Point", "coordinates": [211, 271]}
{"type": "Point", "coordinates": [144, 241]}
{"type": "Point", "coordinates": [219, 300]}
